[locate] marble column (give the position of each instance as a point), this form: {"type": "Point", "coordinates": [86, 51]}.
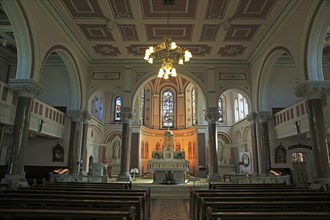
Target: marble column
{"type": "Point", "coordinates": [26, 89]}
{"type": "Point", "coordinates": [252, 118]}
{"type": "Point", "coordinates": [312, 92]}
{"type": "Point", "coordinates": [126, 116]}
{"type": "Point", "coordinates": [83, 154]}
{"type": "Point", "coordinates": [212, 116]}
{"type": "Point", "coordinates": [2, 132]}
{"type": "Point", "coordinates": [263, 147]}
{"type": "Point", "coordinates": [77, 119]}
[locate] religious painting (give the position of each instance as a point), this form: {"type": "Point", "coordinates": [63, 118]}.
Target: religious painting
{"type": "Point", "coordinates": [58, 153]}
{"type": "Point", "coordinates": [280, 154]}
{"type": "Point", "coordinates": [245, 162]}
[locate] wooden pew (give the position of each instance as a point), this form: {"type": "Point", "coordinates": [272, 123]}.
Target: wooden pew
{"type": "Point", "coordinates": [21, 214]}
{"type": "Point", "coordinates": [216, 185]}
{"type": "Point", "coordinates": [262, 205]}
{"type": "Point", "coordinates": [95, 191]}
{"type": "Point", "coordinates": [142, 209]}
{"type": "Point", "coordinates": [195, 195]}
{"type": "Point", "coordinates": [211, 195]}
{"type": "Point", "coordinates": [270, 215]}
{"type": "Point", "coordinates": [112, 185]}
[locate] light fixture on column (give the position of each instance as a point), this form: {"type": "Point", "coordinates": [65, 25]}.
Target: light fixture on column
{"type": "Point", "coordinates": [168, 53]}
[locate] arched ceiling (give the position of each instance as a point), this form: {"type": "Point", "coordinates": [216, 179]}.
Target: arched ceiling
{"type": "Point", "coordinates": [197, 25]}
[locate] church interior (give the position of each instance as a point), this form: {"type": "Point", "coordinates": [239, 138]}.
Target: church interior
{"type": "Point", "coordinates": [168, 92]}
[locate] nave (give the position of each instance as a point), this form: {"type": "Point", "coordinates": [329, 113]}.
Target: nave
{"type": "Point", "coordinates": [144, 200]}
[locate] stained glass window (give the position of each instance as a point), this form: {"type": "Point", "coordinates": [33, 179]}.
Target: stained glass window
{"type": "Point", "coordinates": [168, 109]}
{"type": "Point", "coordinates": [297, 157]}
{"type": "Point", "coordinates": [220, 107]}
{"type": "Point", "coordinates": [193, 103]}
{"type": "Point", "coordinates": [241, 107]}
{"type": "Point", "coordinates": [117, 108]}
{"type": "Point", "coordinates": [142, 106]}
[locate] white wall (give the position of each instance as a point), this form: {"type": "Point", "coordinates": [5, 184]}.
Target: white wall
{"type": "Point", "coordinates": [56, 87]}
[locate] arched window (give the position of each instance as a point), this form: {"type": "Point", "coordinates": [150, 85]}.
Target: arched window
{"type": "Point", "coordinates": [168, 109]}
{"type": "Point", "coordinates": [142, 106]}
{"type": "Point", "coordinates": [241, 108]}
{"type": "Point", "coordinates": [193, 105]}
{"type": "Point", "coordinates": [220, 107]}
{"type": "Point", "coordinates": [117, 108]}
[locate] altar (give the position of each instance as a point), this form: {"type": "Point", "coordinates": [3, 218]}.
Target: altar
{"type": "Point", "coordinates": [168, 166]}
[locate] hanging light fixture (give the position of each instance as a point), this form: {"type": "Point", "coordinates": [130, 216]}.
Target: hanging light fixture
{"type": "Point", "coordinates": [168, 53]}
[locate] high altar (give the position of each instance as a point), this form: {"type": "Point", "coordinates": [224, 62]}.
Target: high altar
{"type": "Point", "coordinates": [168, 166]}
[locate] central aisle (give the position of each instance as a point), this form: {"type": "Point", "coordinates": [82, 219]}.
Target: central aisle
{"type": "Point", "coordinates": [169, 202]}
{"type": "Point", "coordinates": [169, 209]}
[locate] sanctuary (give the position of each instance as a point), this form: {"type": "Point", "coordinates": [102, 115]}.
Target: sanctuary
{"type": "Point", "coordinates": [168, 166]}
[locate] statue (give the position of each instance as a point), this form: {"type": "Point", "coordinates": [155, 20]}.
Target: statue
{"type": "Point", "coordinates": [168, 145]}
{"type": "Point", "coordinates": [116, 150]}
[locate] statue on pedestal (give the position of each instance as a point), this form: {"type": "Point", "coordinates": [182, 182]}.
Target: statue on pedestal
{"type": "Point", "coordinates": [168, 145]}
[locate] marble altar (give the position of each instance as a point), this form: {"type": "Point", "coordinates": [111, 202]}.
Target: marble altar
{"type": "Point", "coordinates": [168, 166]}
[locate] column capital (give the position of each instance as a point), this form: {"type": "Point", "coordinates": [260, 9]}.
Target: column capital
{"type": "Point", "coordinates": [312, 89]}
{"type": "Point", "coordinates": [126, 114]}
{"type": "Point", "coordinates": [26, 87]}
{"type": "Point", "coordinates": [264, 116]}
{"type": "Point", "coordinates": [79, 116]}
{"type": "Point", "coordinates": [252, 117]}
{"type": "Point", "coordinates": [212, 115]}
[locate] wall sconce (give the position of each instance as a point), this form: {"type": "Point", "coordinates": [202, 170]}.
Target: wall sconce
{"type": "Point", "coordinates": [40, 124]}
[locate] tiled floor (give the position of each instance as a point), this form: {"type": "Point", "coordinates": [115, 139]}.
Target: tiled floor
{"type": "Point", "coordinates": [169, 202]}
{"type": "Point", "coordinates": [166, 209]}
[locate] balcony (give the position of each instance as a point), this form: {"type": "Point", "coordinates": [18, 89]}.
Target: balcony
{"type": "Point", "coordinates": [45, 119]}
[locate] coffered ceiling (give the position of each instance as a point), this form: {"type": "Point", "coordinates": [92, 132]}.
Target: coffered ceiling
{"type": "Point", "coordinates": [222, 31]}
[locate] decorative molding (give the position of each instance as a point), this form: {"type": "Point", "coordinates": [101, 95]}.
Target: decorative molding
{"type": "Point", "coordinates": [232, 76]}
{"type": "Point", "coordinates": [126, 114]}
{"type": "Point", "coordinates": [212, 115]}
{"type": "Point", "coordinates": [106, 75]}
{"type": "Point", "coordinates": [79, 116]}
{"type": "Point", "coordinates": [106, 50]}
{"type": "Point", "coordinates": [312, 89]}
{"type": "Point", "coordinates": [264, 116]}
{"type": "Point", "coordinates": [200, 75]}
{"type": "Point", "coordinates": [26, 87]}
{"type": "Point", "coordinates": [139, 75]}
{"type": "Point", "coordinates": [252, 117]}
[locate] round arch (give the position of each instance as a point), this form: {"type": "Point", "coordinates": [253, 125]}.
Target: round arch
{"type": "Point", "coordinates": [93, 92]}
{"type": "Point", "coordinates": [263, 81]}
{"type": "Point", "coordinates": [186, 75]}
{"type": "Point", "coordinates": [241, 90]}
{"type": "Point", "coordinates": [315, 41]}
{"type": "Point", "coordinates": [23, 39]}
{"type": "Point", "coordinates": [73, 74]}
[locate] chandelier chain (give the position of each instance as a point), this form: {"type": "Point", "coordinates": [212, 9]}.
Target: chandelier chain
{"type": "Point", "coordinates": [168, 52]}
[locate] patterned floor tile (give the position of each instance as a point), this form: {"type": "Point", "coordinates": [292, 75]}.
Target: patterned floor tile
{"type": "Point", "coordinates": [167, 209]}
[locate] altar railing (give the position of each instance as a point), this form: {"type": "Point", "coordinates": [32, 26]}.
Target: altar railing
{"type": "Point", "coordinates": [261, 179]}
{"type": "Point", "coordinates": [65, 178]}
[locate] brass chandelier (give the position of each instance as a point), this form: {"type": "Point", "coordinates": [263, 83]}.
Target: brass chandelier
{"type": "Point", "coordinates": [168, 53]}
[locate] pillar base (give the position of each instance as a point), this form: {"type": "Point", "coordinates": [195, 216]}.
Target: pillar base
{"type": "Point", "coordinates": [321, 183]}
{"type": "Point", "coordinates": [214, 177]}
{"type": "Point", "coordinates": [15, 181]}
{"type": "Point", "coordinates": [124, 177]}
